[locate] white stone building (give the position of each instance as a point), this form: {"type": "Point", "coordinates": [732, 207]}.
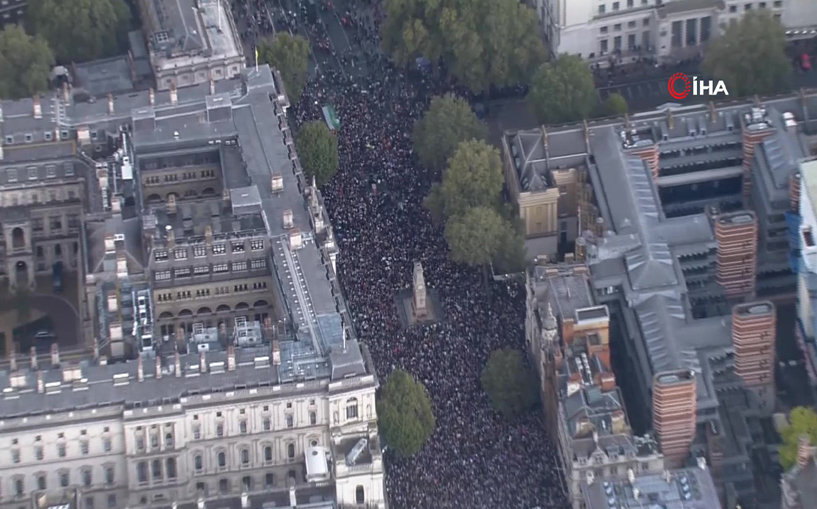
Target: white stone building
{"type": "Point", "coordinates": [670, 29]}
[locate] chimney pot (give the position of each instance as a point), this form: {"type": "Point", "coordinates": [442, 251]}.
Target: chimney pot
{"type": "Point", "coordinates": [55, 355]}
{"type": "Point", "coordinates": [110, 104]}
{"type": "Point", "coordinates": [174, 98]}
{"type": "Point", "coordinates": [38, 110]}
{"type": "Point", "coordinates": [202, 362]}
{"type": "Point", "coordinates": [140, 369]}
{"type": "Point", "coordinates": [158, 367]}
{"type": "Point", "coordinates": [177, 365]}
{"type": "Point", "coordinates": [212, 87]}
{"type": "Point", "coordinates": [208, 234]}
{"type": "Point", "coordinates": [151, 97]}
{"type": "Point", "coordinates": [40, 384]}
{"type": "Point", "coordinates": [231, 358]}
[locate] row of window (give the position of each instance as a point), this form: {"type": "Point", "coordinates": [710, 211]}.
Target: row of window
{"type": "Point", "coordinates": [157, 471]}
{"type": "Point", "coordinates": [200, 250]}
{"type": "Point", "coordinates": [630, 25]}
{"type": "Point", "coordinates": [217, 268]}
{"type": "Point", "coordinates": [777, 4]}
{"type": "Point", "coordinates": [64, 479]}
{"type": "Point", "coordinates": [244, 457]}
{"type": "Point", "coordinates": [33, 172]}
{"type": "Point", "coordinates": [61, 450]}
{"type": "Point", "coordinates": [29, 137]}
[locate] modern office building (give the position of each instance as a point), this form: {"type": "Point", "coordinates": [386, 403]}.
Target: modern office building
{"type": "Point", "coordinates": [690, 488]}
{"type": "Point", "coordinates": [584, 409]}
{"type": "Point", "coordinates": [191, 41]}
{"type": "Point", "coordinates": [664, 29]}
{"type": "Point", "coordinates": [673, 408]}
{"type": "Point", "coordinates": [754, 333]}
{"type": "Point", "coordinates": [803, 225]}
{"type": "Point", "coordinates": [650, 238]}
{"type": "Point", "coordinates": [243, 386]}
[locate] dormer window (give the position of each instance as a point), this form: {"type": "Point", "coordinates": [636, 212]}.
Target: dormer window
{"type": "Point", "coordinates": [48, 136]}
{"type": "Point", "coordinates": [9, 139]}
{"type": "Point", "coordinates": [29, 137]}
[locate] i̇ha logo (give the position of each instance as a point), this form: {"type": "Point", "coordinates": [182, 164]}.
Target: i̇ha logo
{"type": "Point", "coordinates": [680, 86]}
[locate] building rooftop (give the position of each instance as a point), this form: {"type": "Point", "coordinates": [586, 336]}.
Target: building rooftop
{"type": "Point", "coordinates": [101, 77]}
{"type": "Point", "coordinates": [800, 484]}
{"type": "Point", "coordinates": [322, 497]}
{"type": "Point", "coordinates": [690, 488]}
{"type": "Point", "coordinates": [187, 32]}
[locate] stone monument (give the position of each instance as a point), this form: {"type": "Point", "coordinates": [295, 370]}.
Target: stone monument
{"type": "Point", "coordinates": [419, 306]}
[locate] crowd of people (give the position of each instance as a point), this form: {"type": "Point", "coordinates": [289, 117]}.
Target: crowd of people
{"type": "Point", "coordinates": [474, 458]}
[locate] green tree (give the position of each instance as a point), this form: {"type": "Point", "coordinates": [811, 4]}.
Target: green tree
{"type": "Point", "coordinates": [803, 422]}
{"type": "Point", "coordinates": [318, 151]}
{"type": "Point", "coordinates": [475, 237]}
{"type": "Point", "coordinates": [615, 105]}
{"type": "Point", "coordinates": [484, 42]}
{"type": "Point", "coordinates": [510, 384]}
{"type": "Point", "coordinates": [750, 56]}
{"type": "Point", "coordinates": [474, 178]}
{"type": "Point", "coordinates": [290, 55]}
{"type": "Point", "coordinates": [447, 122]}
{"type": "Point", "coordinates": [511, 257]}
{"type": "Point", "coordinates": [81, 30]}
{"type": "Point", "coordinates": [404, 413]}
{"type": "Point", "coordinates": [25, 63]}
{"type": "Point", "coordinates": [563, 91]}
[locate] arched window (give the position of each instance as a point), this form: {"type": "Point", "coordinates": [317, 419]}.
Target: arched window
{"type": "Point", "coordinates": [360, 495]}
{"type": "Point", "coordinates": [267, 453]}
{"type": "Point", "coordinates": [313, 418]}
{"type": "Point", "coordinates": [222, 460]}
{"type": "Point", "coordinates": [245, 457]}
{"type": "Point", "coordinates": [156, 467]}
{"type": "Point", "coordinates": [291, 451]}
{"type": "Point", "coordinates": [198, 463]}
{"type": "Point", "coordinates": [18, 238]}
{"type": "Point", "coordinates": [142, 472]}
{"type": "Point", "coordinates": [171, 468]}
{"type": "Point", "coordinates": [351, 408]}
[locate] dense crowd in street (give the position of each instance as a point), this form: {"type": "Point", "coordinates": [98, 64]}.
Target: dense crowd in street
{"type": "Point", "coordinates": [475, 459]}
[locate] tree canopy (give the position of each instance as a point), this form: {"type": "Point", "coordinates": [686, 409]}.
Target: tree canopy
{"type": "Point", "coordinates": [484, 43]}
{"type": "Point", "coordinates": [448, 121]}
{"type": "Point", "coordinates": [25, 63]}
{"type": "Point", "coordinates": [803, 422]}
{"type": "Point", "coordinates": [81, 30]}
{"type": "Point", "coordinates": [563, 91]}
{"type": "Point", "coordinates": [404, 413]}
{"type": "Point", "coordinates": [290, 56]}
{"type": "Point", "coordinates": [475, 237]}
{"type": "Point", "coordinates": [750, 56]}
{"type": "Point", "coordinates": [510, 384]}
{"type": "Point", "coordinates": [473, 179]}
{"type": "Point", "coordinates": [615, 105]}
{"type": "Point", "coordinates": [318, 151]}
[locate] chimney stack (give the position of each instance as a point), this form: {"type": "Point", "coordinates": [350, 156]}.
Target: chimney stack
{"type": "Point", "coordinates": [33, 358]}
{"type": "Point", "coordinates": [276, 353]}
{"type": "Point", "coordinates": [40, 384]}
{"type": "Point", "coordinates": [140, 369]}
{"type": "Point", "coordinates": [13, 362]}
{"type": "Point", "coordinates": [277, 183]}
{"type": "Point", "coordinates": [177, 364]}
{"type": "Point", "coordinates": [212, 87]}
{"type": "Point", "coordinates": [110, 104]}
{"type": "Point", "coordinates": [202, 362]}
{"type": "Point", "coordinates": [96, 349]}
{"type": "Point", "coordinates": [288, 219]}
{"type": "Point", "coordinates": [171, 238]}
{"type": "Point", "coordinates": [55, 355]}
{"type": "Point", "coordinates": [293, 501]}
{"type": "Point", "coordinates": [208, 235]}
{"type": "Point", "coordinates": [110, 243]}
{"type": "Point", "coordinates": [66, 94]}
{"type": "Point", "coordinates": [38, 110]}
{"type": "Point", "coordinates": [231, 358]}
{"type": "Point", "coordinates": [158, 367]}
{"type": "Point", "coordinates": [174, 97]}
{"type": "Point", "coordinates": [803, 451]}
{"type": "Point", "coordinates": [151, 96]}
{"type": "Point", "coordinates": [295, 239]}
